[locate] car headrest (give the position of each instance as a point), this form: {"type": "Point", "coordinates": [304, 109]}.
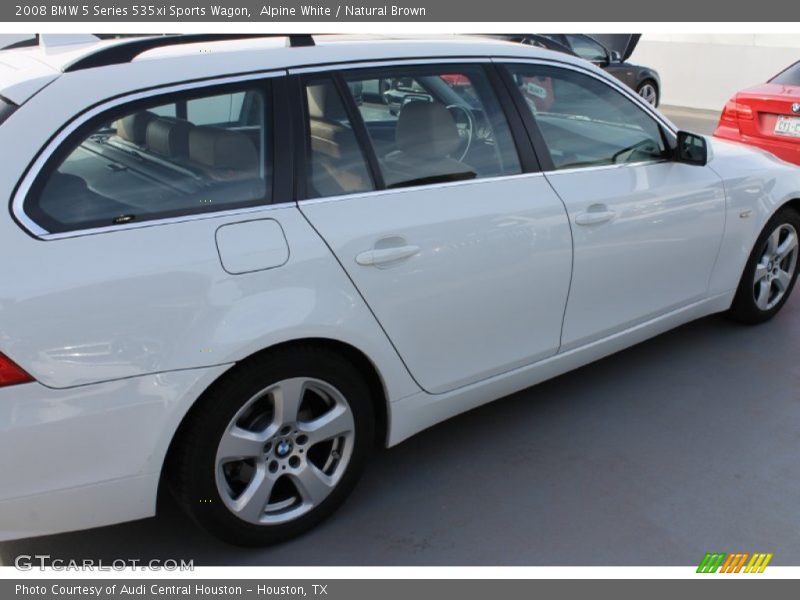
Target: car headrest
{"type": "Point", "coordinates": [168, 137]}
{"type": "Point", "coordinates": [133, 128]}
{"type": "Point", "coordinates": [426, 130]}
{"type": "Point", "coordinates": [222, 149]}
{"type": "Point", "coordinates": [324, 102]}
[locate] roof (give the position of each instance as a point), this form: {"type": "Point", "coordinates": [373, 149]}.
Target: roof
{"type": "Point", "coordinates": [24, 71]}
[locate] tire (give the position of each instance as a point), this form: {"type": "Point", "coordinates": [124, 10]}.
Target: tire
{"type": "Point", "coordinates": [768, 279]}
{"type": "Point", "coordinates": [648, 90]}
{"type": "Point", "coordinates": [282, 475]}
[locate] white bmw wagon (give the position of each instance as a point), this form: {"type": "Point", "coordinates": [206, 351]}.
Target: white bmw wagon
{"type": "Point", "coordinates": [235, 265]}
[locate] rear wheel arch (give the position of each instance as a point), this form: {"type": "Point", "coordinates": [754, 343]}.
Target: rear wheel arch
{"type": "Point", "coordinates": [794, 204]}
{"type": "Point", "coordinates": [353, 355]}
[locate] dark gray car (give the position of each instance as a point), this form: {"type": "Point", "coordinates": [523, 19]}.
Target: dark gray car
{"type": "Point", "coordinates": [612, 55]}
{"type": "Point", "coordinates": [609, 52]}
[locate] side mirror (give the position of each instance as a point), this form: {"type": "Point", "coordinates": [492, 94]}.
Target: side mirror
{"type": "Point", "coordinates": [615, 57]}
{"type": "Point", "coordinates": [692, 149]}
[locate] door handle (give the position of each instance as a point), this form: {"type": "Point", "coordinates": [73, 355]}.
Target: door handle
{"type": "Point", "coordinates": [595, 214]}
{"type": "Point", "coordinates": [381, 256]}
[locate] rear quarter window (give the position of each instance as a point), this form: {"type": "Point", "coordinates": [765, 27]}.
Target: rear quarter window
{"type": "Point", "coordinates": [169, 156]}
{"type": "Point", "coordinates": [790, 76]}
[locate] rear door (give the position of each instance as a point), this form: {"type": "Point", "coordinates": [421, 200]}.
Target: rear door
{"type": "Point", "coordinates": [438, 214]}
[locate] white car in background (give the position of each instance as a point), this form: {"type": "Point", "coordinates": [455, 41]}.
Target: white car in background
{"type": "Point", "coordinates": [227, 271]}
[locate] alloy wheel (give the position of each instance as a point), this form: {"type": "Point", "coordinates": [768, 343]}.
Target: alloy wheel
{"type": "Point", "coordinates": [649, 93]}
{"type": "Point", "coordinates": [776, 266]}
{"type": "Point", "coordinates": [284, 451]}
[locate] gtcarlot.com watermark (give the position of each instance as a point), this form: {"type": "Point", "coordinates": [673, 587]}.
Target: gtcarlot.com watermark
{"type": "Point", "coordinates": [30, 562]}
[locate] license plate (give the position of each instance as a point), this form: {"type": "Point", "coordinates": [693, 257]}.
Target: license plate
{"type": "Point", "coordinates": [788, 126]}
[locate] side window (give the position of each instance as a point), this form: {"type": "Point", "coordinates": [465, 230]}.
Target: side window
{"type": "Point", "coordinates": [336, 164]}
{"type": "Point", "coordinates": [585, 122]}
{"type": "Point", "coordinates": [587, 48]}
{"type": "Point", "coordinates": [172, 156]}
{"type": "Point", "coordinates": [430, 124]}
{"type": "Point", "coordinates": [215, 110]}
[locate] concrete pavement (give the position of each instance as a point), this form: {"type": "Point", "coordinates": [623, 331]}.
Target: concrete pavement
{"type": "Point", "coordinates": [691, 119]}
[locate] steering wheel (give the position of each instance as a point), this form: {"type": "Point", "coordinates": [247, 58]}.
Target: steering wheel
{"type": "Point", "coordinates": [626, 153]}
{"type": "Point", "coordinates": [463, 116]}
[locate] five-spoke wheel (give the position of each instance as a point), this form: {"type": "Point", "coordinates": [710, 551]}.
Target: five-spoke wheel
{"type": "Point", "coordinates": [285, 450]}
{"type": "Point", "coordinates": [648, 90]}
{"type": "Point", "coordinates": [776, 267]}
{"type": "Point", "coordinates": [771, 270]}
{"type": "Point", "coordinates": [274, 446]}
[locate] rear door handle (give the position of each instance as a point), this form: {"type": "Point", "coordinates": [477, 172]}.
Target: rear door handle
{"type": "Point", "coordinates": [382, 256]}
{"type": "Point", "coordinates": [595, 214]}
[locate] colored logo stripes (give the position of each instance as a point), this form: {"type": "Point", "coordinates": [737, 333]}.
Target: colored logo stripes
{"type": "Point", "coordinates": [738, 562]}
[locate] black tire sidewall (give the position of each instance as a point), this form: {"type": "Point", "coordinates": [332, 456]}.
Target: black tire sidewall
{"type": "Point", "coordinates": [197, 490]}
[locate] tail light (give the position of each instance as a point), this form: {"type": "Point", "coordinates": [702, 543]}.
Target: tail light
{"type": "Point", "coordinates": [11, 373]}
{"type": "Point", "coordinates": [734, 111]}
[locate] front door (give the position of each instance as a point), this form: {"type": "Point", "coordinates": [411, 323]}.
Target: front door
{"type": "Point", "coordinates": [646, 229]}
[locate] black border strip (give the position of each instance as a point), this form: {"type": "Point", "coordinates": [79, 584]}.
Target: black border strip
{"type": "Point", "coordinates": [525, 150]}
{"type": "Point", "coordinates": [534, 133]}
{"type": "Point", "coordinates": [360, 129]}
{"type": "Point", "coordinates": [283, 141]}
{"type": "Point", "coordinates": [300, 153]}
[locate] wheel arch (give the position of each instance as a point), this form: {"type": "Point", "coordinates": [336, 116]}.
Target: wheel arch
{"type": "Point", "coordinates": [793, 203]}
{"type": "Point", "coordinates": [359, 359]}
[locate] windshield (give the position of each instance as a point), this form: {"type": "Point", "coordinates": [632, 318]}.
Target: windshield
{"type": "Point", "coordinates": [790, 76]}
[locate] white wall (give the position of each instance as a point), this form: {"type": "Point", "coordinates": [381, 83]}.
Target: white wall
{"type": "Point", "coordinates": [704, 71]}
{"type": "Point", "coordinates": [698, 70]}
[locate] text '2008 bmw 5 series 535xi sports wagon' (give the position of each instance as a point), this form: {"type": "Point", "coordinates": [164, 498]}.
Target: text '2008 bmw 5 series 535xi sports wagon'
{"type": "Point", "coordinates": [237, 265]}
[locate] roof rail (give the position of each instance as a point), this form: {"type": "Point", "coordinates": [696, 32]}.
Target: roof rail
{"type": "Point", "coordinates": [126, 51]}
{"type": "Point", "coordinates": [26, 43]}
{"type": "Point", "coordinates": [53, 40]}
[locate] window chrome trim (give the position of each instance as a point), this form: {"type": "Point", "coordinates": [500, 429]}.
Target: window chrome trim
{"type": "Point", "coordinates": [639, 163]}
{"type": "Point", "coordinates": [371, 64]}
{"type": "Point", "coordinates": [607, 80]}
{"type": "Point", "coordinates": [416, 188]}
{"type": "Point", "coordinates": [35, 168]}
{"type": "Point", "coordinates": [221, 214]}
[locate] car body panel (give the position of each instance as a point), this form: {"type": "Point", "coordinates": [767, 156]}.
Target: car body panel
{"type": "Point", "coordinates": [483, 245]}
{"type": "Point", "coordinates": [22, 77]}
{"type": "Point", "coordinates": [150, 305]}
{"type": "Point", "coordinates": [757, 184]}
{"type": "Point", "coordinates": [97, 453]}
{"type": "Point", "coordinates": [420, 411]}
{"type": "Point", "coordinates": [657, 252]}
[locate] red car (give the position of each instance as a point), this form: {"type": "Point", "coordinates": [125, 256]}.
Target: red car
{"type": "Point", "coordinates": [767, 116]}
